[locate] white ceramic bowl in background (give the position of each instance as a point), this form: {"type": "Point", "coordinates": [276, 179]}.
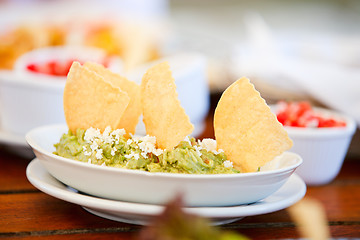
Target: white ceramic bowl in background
{"type": "Point", "coordinates": [323, 150]}
{"type": "Point", "coordinates": [28, 102]}
{"type": "Point", "coordinates": [28, 99]}
{"type": "Point", "coordinates": [159, 188]}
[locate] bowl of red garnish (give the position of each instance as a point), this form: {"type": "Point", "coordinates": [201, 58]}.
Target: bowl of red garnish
{"type": "Point", "coordinates": [31, 94]}
{"type": "Point", "coordinates": [321, 137]}
{"type": "Point", "coordinates": [56, 61]}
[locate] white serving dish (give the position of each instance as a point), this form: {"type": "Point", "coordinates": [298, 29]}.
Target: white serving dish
{"type": "Point", "coordinates": [138, 213]}
{"type": "Point", "coordinates": [159, 188]}
{"type": "Point", "coordinates": [323, 150]}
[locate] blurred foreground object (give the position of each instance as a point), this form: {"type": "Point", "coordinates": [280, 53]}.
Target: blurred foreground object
{"type": "Point", "coordinates": [175, 224]}
{"type": "Point", "coordinates": [310, 217]}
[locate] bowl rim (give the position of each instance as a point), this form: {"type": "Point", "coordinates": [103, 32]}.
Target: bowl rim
{"type": "Point", "coordinates": [22, 77]}
{"type": "Point", "coordinates": [28, 80]}
{"type": "Point", "coordinates": [33, 144]}
{"type": "Point", "coordinates": [44, 54]}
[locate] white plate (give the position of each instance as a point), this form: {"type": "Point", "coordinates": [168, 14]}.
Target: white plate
{"type": "Point", "coordinates": [158, 188]}
{"type": "Point", "coordinates": [291, 192]}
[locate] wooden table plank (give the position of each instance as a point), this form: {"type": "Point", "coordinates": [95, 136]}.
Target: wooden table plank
{"type": "Point", "coordinates": [13, 172]}
{"type": "Point", "coordinates": [40, 212]}
{"type": "Point", "coordinates": [80, 236]}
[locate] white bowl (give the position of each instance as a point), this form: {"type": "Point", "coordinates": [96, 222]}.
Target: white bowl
{"type": "Point", "coordinates": [159, 188]}
{"type": "Point", "coordinates": [28, 99]}
{"type": "Point", "coordinates": [28, 102]}
{"type": "Point", "coordinates": [322, 149]}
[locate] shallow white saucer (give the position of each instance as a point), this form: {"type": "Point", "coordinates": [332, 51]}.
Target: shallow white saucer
{"type": "Point", "coordinates": [135, 213]}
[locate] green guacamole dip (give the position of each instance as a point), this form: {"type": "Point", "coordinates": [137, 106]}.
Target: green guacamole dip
{"type": "Point", "coordinates": [113, 149]}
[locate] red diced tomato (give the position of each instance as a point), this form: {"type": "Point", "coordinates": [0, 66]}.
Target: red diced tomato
{"type": "Point", "coordinates": [301, 114]}
{"type": "Point", "coordinates": [53, 67]}
{"type": "Point", "coordinates": [32, 67]}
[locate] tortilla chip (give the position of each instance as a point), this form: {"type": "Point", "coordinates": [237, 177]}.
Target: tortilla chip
{"type": "Point", "coordinates": [246, 129]}
{"type": "Point", "coordinates": [130, 117]}
{"type": "Point", "coordinates": [163, 115]}
{"type": "Point", "coordinates": [90, 101]}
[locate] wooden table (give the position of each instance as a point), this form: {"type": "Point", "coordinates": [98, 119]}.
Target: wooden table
{"type": "Point", "coordinates": [27, 213]}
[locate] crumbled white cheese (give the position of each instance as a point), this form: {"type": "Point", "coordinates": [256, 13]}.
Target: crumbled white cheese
{"type": "Point", "coordinates": [197, 149]}
{"type": "Point", "coordinates": [158, 152]}
{"type": "Point", "coordinates": [94, 138]}
{"type": "Point", "coordinates": [129, 141]}
{"type": "Point", "coordinates": [106, 137]}
{"type": "Point", "coordinates": [228, 164]}
{"type": "Point", "coordinates": [132, 155]}
{"type": "Point", "coordinates": [210, 145]}
{"type": "Point", "coordinates": [113, 151]}
{"type": "Point", "coordinates": [94, 145]}
{"type": "Point", "coordinates": [187, 139]}
{"type": "Point", "coordinates": [91, 134]}
{"type": "Point", "coordinates": [99, 153]}
{"type": "Point", "coordinates": [147, 145]}
{"type": "Point", "coordinates": [86, 153]}
{"type": "Point", "coordinates": [118, 133]}
{"type": "Point", "coordinates": [219, 151]}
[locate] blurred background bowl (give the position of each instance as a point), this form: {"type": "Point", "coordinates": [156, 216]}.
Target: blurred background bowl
{"type": "Point", "coordinates": [28, 102]}
{"type": "Point", "coordinates": [323, 149]}
{"type": "Point", "coordinates": [29, 99]}
{"type": "Point", "coordinates": [33, 98]}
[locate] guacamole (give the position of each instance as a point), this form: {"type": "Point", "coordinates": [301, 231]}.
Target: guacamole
{"type": "Point", "coordinates": [116, 149]}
